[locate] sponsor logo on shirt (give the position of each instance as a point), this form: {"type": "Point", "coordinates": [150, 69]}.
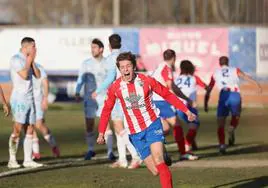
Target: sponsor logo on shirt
{"type": "Point", "coordinates": [134, 99]}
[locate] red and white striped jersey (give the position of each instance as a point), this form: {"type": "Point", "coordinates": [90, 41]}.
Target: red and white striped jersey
{"type": "Point", "coordinates": [188, 85]}
{"type": "Point", "coordinates": [136, 101]}
{"type": "Point", "coordinates": [226, 78]}
{"type": "Point", "coordinates": [162, 74]}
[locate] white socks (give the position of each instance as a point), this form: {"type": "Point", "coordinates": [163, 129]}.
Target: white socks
{"type": "Point", "coordinates": [27, 145]}
{"type": "Point", "coordinates": [90, 139]}
{"type": "Point", "coordinates": [123, 142]}
{"type": "Point", "coordinates": [121, 147]}
{"type": "Point", "coordinates": [50, 140]}
{"type": "Point", "coordinates": [36, 145]}
{"type": "Point", "coordinates": [109, 141]}
{"type": "Point", "coordinates": [13, 147]}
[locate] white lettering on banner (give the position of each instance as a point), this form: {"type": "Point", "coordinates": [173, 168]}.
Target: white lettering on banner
{"type": "Point", "coordinates": [184, 35]}
{"type": "Point", "coordinates": [183, 46]}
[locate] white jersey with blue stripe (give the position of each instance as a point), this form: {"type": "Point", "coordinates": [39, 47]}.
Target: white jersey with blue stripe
{"type": "Point", "coordinates": [227, 77]}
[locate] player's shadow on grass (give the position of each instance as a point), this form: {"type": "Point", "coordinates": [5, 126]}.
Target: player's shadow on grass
{"type": "Point", "coordinates": [253, 182]}
{"type": "Point", "coordinates": [56, 166]}
{"type": "Point", "coordinates": [239, 151]}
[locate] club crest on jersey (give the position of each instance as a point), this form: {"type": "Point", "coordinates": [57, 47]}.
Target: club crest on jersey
{"type": "Point", "coordinates": [141, 83]}
{"type": "Point", "coordinates": [133, 99]}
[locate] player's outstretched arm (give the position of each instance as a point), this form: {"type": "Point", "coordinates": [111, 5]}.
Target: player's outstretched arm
{"type": "Point", "coordinates": [208, 91]}
{"type": "Point", "coordinates": [248, 78]}
{"type": "Point", "coordinates": [179, 93]}
{"type": "Point", "coordinates": [5, 105]}
{"type": "Point", "coordinates": [79, 83]}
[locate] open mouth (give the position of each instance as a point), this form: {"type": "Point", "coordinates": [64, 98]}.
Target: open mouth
{"type": "Point", "coordinates": [128, 74]}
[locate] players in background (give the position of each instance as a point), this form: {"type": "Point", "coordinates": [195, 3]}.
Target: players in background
{"type": "Point", "coordinates": [117, 114]}
{"type": "Point", "coordinates": [22, 69]}
{"type": "Point", "coordinates": [140, 64]}
{"type": "Point", "coordinates": [91, 75]}
{"type": "Point", "coordinates": [227, 81]}
{"type": "Point", "coordinates": [135, 90]}
{"type": "Point", "coordinates": [164, 75]}
{"type": "Point", "coordinates": [41, 91]}
{"type": "Point", "coordinates": [3, 100]}
{"type": "Point", "coordinates": [187, 81]}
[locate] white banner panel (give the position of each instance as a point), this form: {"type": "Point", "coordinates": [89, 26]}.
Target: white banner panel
{"type": "Point", "coordinates": [262, 52]}
{"type": "Point", "coordinates": [57, 49]}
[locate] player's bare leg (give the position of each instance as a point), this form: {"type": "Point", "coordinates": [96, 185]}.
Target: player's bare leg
{"type": "Point", "coordinates": [149, 162]}
{"type": "Point", "coordinates": [166, 129]}
{"type": "Point", "coordinates": [221, 134]}
{"type": "Point", "coordinates": [13, 145]}
{"type": "Point", "coordinates": [162, 168]}
{"type": "Point", "coordinates": [42, 127]}
{"type": "Point", "coordinates": [90, 138]}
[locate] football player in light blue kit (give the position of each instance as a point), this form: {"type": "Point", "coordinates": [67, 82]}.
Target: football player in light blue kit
{"type": "Point", "coordinates": [227, 81]}
{"type": "Point", "coordinates": [22, 69]}
{"type": "Point", "coordinates": [92, 75]}
{"type": "Point", "coordinates": [41, 90]}
{"type": "Point", "coordinates": [117, 113]}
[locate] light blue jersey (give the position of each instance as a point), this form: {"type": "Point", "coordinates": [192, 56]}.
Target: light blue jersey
{"type": "Point", "coordinates": [21, 99]}
{"type": "Point", "coordinates": [92, 75]}
{"type": "Point", "coordinates": [113, 73]}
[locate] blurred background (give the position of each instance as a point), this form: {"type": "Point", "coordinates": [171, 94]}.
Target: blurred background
{"type": "Point", "coordinates": [199, 30]}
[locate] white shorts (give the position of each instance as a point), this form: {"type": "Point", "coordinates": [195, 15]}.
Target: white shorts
{"type": "Point", "coordinates": [23, 111]}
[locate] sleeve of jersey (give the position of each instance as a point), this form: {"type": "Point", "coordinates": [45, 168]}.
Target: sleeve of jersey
{"type": "Point", "coordinates": [166, 74]}
{"type": "Point", "coordinates": [212, 82]}
{"type": "Point", "coordinates": [107, 109]}
{"type": "Point", "coordinates": [199, 82]}
{"type": "Point", "coordinates": [79, 82]}
{"type": "Point", "coordinates": [167, 95]}
{"type": "Point", "coordinates": [111, 75]}
{"type": "Point", "coordinates": [16, 64]}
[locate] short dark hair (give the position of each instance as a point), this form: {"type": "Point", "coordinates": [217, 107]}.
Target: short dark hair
{"type": "Point", "coordinates": [224, 60]}
{"type": "Point", "coordinates": [187, 67]}
{"type": "Point", "coordinates": [115, 41]}
{"type": "Point", "coordinates": [169, 54]}
{"type": "Point", "coordinates": [97, 42]}
{"type": "Point", "coordinates": [126, 56]}
{"type": "Point", "coordinates": [27, 40]}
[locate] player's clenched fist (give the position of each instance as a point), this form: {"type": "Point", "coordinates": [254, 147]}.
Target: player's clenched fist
{"type": "Point", "coordinates": [191, 116]}
{"type": "Point", "coordinates": [100, 139]}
